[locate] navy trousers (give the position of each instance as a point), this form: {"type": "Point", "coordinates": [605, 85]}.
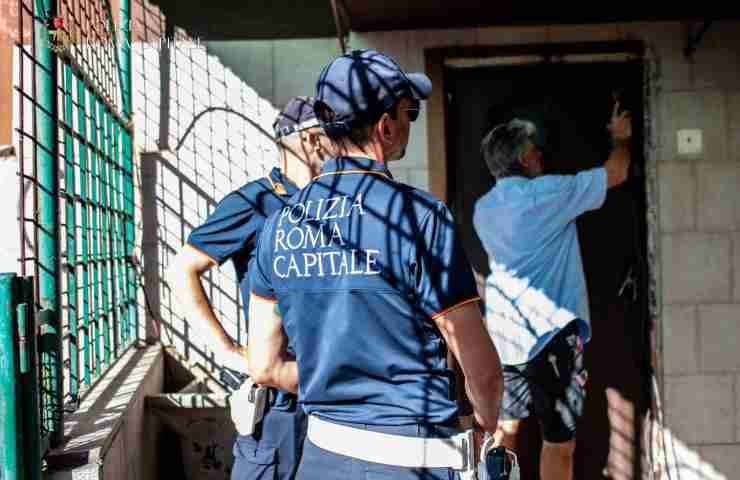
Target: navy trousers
{"type": "Point", "coordinates": [274, 451]}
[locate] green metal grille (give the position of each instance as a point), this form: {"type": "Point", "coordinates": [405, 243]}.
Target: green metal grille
{"type": "Point", "coordinates": [77, 228]}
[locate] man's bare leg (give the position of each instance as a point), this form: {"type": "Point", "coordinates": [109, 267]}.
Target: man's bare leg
{"type": "Point", "coordinates": [556, 461]}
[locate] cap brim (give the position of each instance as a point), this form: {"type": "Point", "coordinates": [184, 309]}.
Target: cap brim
{"type": "Point", "coordinates": [421, 86]}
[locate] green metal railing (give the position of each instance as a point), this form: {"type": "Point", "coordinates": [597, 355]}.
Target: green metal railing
{"type": "Point", "coordinates": [77, 206]}
{"type": "Point", "coordinates": [10, 462]}
{"type": "Point", "coordinates": [20, 455]}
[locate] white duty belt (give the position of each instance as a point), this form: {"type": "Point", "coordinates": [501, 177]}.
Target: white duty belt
{"type": "Point", "coordinates": [456, 452]}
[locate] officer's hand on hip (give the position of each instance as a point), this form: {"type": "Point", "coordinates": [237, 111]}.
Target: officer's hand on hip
{"type": "Point", "coordinates": [234, 358]}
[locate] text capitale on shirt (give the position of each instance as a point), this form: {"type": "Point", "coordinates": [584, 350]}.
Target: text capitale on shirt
{"type": "Point", "coordinates": [314, 226]}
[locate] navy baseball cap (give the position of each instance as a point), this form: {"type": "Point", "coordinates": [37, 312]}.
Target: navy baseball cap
{"type": "Point", "coordinates": [359, 86]}
{"type": "Point", "coordinates": [297, 115]}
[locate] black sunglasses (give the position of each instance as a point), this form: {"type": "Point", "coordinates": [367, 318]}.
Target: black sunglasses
{"type": "Point", "coordinates": [413, 109]}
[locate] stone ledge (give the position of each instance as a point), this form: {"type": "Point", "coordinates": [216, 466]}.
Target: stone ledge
{"type": "Point", "coordinates": [92, 429]}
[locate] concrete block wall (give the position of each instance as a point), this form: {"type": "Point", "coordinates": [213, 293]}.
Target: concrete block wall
{"type": "Point", "coordinates": [699, 203]}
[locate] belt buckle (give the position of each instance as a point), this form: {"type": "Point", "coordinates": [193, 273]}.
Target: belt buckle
{"type": "Point", "coordinates": [470, 461]}
{"type": "Point", "coordinates": [467, 444]}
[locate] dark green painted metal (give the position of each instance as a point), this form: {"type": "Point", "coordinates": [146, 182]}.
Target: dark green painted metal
{"type": "Point", "coordinates": [95, 232]}
{"type": "Point", "coordinates": [102, 144]}
{"type": "Point", "coordinates": [111, 196]}
{"type": "Point", "coordinates": [71, 233]}
{"type": "Point", "coordinates": [83, 223]}
{"type": "Point", "coordinates": [10, 453]}
{"type": "Point", "coordinates": [29, 389]}
{"type": "Point", "coordinates": [47, 215]}
{"type": "Point", "coordinates": [120, 254]}
{"type": "Point", "coordinates": [50, 349]}
{"type": "Point", "coordinates": [24, 362]}
{"type": "Point", "coordinates": [125, 56]}
{"type": "Point", "coordinates": [84, 231]}
{"type": "Point", "coordinates": [130, 236]}
{"type": "Point", "coordinates": [128, 167]}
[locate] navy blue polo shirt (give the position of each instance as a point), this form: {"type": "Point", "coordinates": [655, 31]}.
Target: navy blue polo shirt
{"type": "Point", "coordinates": [230, 232]}
{"type": "Point", "coordinates": [360, 266]}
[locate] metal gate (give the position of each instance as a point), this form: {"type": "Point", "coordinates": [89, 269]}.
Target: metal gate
{"type": "Point", "coordinates": [75, 149]}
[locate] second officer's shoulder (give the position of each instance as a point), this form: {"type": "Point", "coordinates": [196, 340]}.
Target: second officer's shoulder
{"type": "Point", "coordinates": [255, 187]}
{"type": "Point", "coordinates": [255, 194]}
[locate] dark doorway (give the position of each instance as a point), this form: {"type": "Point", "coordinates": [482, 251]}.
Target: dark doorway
{"type": "Point", "coordinates": [571, 104]}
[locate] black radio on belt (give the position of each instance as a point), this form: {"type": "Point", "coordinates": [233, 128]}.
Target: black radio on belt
{"type": "Point", "coordinates": [231, 378]}
{"type": "Point", "coordinates": [499, 464]}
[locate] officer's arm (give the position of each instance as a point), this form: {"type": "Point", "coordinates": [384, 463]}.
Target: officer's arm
{"type": "Point", "coordinates": [471, 345]}
{"type": "Point", "coordinates": [464, 408]}
{"type": "Point", "coordinates": [270, 363]}
{"type": "Point", "coordinates": [184, 278]}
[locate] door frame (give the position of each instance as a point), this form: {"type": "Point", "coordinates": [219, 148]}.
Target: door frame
{"type": "Point", "coordinates": [437, 59]}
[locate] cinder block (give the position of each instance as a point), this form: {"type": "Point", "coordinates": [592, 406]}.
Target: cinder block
{"type": "Point", "coordinates": [716, 67]}
{"type": "Point", "coordinates": [736, 264]}
{"type": "Point", "coordinates": [698, 408]}
{"type": "Point", "coordinates": [675, 72]}
{"type": "Point", "coordinates": [666, 41]}
{"type": "Point", "coordinates": [733, 113]}
{"type": "Point", "coordinates": [719, 329]}
{"type": "Point", "coordinates": [510, 35]}
{"type": "Point", "coordinates": [737, 407]}
{"type": "Point", "coordinates": [677, 194]}
{"type": "Point", "coordinates": [680, 353]}
{"type": "Point", "coordinates": [719, 196]}
{"type": "Point", "coordinates": [675, 459]}
{"type": "Point", "coordinates": [733, 130]}
{"type": "Point", "coordinates": [696, 267]}
{"type": "Point", "coordinates": [694, 110]}
{"type": "Point", "coordinates": [722, 460]}
{"type": "Point", "coordinates": [582, 33]}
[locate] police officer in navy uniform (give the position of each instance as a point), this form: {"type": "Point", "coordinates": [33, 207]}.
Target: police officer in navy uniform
{"type": "Point", "coordinates": [230, 233]}
{"type": "Point", "coordinates": [365, 279]}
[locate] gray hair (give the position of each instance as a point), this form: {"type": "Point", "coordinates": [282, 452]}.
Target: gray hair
{"type": "Point", "coordinates": [504, 144]}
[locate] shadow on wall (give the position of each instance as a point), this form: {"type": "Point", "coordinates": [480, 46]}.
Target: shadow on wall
{"type": "Point", "coordinates": [203, 133]}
